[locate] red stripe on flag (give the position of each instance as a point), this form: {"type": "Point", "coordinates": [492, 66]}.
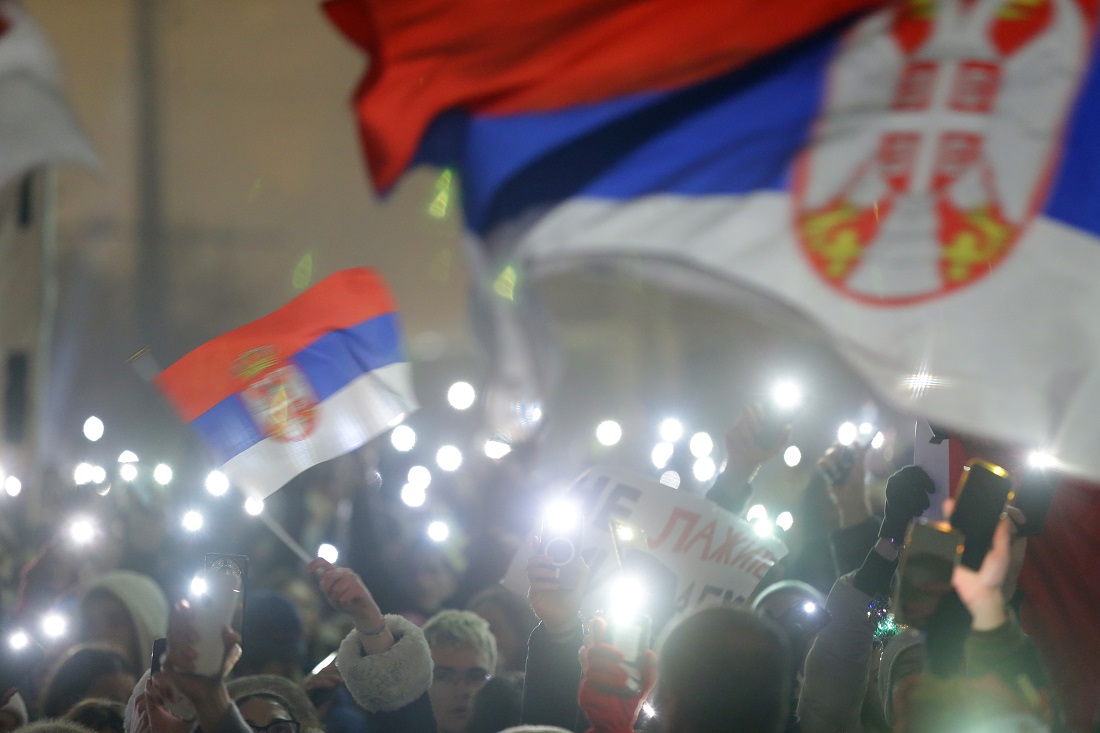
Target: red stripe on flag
{"type": "Point", "coordinates": [205, 376]}
{"type": "Point", "coordinates": [505, 57]}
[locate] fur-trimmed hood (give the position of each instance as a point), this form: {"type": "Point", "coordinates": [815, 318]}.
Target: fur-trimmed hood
{"type": "Point", "coordinates": [290, 696]}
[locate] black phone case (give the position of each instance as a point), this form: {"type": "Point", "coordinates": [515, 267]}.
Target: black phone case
{"type": "Point", "coordinates": [978, 507]}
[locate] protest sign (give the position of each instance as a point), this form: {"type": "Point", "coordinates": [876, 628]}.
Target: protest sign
{"type": "Point", "coordinates": [715, 556]}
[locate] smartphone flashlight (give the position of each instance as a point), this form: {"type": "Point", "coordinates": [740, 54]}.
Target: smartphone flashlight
{"type": "Point", "coordinates": [560, 540]}
{"type": "Point", "coordinates": [628, 626]}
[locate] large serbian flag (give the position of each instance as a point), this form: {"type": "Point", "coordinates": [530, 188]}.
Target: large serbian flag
{"type": "Point", "coordinates": [918, 182]}
{"type": "Point", "coordinates": [316, 379]}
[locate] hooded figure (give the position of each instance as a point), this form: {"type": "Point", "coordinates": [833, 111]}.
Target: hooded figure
{"type": "Point", "coordinates": [125, 609]}
{"type": "Point", "coordinates": [277, 692]}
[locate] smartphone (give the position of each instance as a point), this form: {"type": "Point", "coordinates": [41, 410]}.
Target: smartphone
{"type": "Point", "coordinates": [159, 647]}
{"type": "Point", "coordinates": [630, 635]}
{"type": "Point", "coordinates": [984, 488]}
{"type": "Point", "coordinates": [560, 540]}
{"type": "Point", "coordinates": [1034, 495]}
{"type": "Point", "coordinates": [236, 565]}
{"type": "Point", "coordinates": [932, 451]}
{"type": "Point", "coordinates": [222, 604]}
{"type": "Point", "coordinates": [635, 559]}
{"type": "Point", "coordinates": [928, 559]}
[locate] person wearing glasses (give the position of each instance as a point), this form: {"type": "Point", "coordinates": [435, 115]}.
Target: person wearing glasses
{"type": "Point", "coordinates": [273, 704]}
{"type": "Point", "coordinates": [464, 656]}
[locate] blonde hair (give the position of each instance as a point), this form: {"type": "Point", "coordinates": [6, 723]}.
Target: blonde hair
{"type": "Point", "coordinates": [462, 628]}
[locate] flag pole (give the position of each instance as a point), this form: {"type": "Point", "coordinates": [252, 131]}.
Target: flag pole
{"type": "Point", "coordinates": [284, 536]}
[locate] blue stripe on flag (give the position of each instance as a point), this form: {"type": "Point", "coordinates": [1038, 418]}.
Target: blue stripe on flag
{"type": "Point", "coordinates": [227, 428]}
{"type": "Point", "coordinates": [1075, 189]}
{"type": "Point", "coordinates": [330, 363]}
{"type": "Point", "coordinates": [334, 360]}
{"type": "Point", "coordinates": [734, 134]}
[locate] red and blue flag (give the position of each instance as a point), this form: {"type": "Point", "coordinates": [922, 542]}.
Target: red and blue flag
{"type": "Point", "coordinates": [316, 379]}
{"type": "Point", "coordinates": [916, 180]}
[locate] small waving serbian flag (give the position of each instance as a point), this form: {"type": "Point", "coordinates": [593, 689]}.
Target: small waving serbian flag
{"type": "Point", "coordinates": [316, 379]}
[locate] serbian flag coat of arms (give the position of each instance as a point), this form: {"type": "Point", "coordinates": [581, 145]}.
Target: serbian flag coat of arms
{"type": "Point", "coordinates": [316, 379]}
{"type": "Point", "coordinates": [918, 181]}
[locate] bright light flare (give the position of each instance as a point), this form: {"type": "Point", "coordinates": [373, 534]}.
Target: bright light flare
{"type": "Point", "coordinates": [671, 430]}
{"type": "Point", "coordinates": [626, 599]}
{"type": "Point", "coordinates": [99, 474]}
{"type": "Point", "coordinates": [609, 432]}
{"type": "Point", "coordinates": [82, 474]}
{"type": "Point", "coordinates": [12, 486]}
{"type": "Point", "coordinates": [127, 472]}
{"type": "Point", "coordinates": [413, 496]}
{"type": "Point", "coordinates": [217, 483]}
{"type": "Point", "coordinates": [1041, 459]}
{"type": "Point", "coordinates": [648, 710]}
{"type": "Point", "coordinates": [756, 511]}
{"type": "Point", "coordinates": [19, 640]}
{"type": "Point", "coordinates": [93, 428]}
{"type": "Point", "coordinates": [792, 456]}
{"type": "Point", "coordinates": [701, 444]}
{"type": "Point", "coordinates": [878, 440]}
{"type": "Point", "coordinates": [497, 449]}
{"type": "Point", "coordinates": [81, 531]}
{"type": "Point", "coordinates": [809, 607]}
{"type": "Point", "coordinates": [192, 521]}
{"type": "Point", "coordinates": [328, 553]}
{"type": "Point", "coordinates": [448, 458]}
{"type": "Point", "coordinates": [561, 516]}
{"type": "Point", "coordinates": [162, 474]}
{"type": "Point", "coordinates": [54, 625]}
{"type": "Point", "coordinates": [784, 521]}
{"type": "Point", "coordinates": [763, 528]}
{"type": "Point", "coordinates": [662, 454]}
{"type": "Point", "coordinates": [403, 438]}
{"type": "Point", "coordinates": [198, 586]}
{"type": "Point", "coordinates": [704, 469]}
{"type": "Point", "coordinates": [438, 531]}
{"type": "Point", "coordinates": [786, 394]}
{"type": "Point", "coordinates": [420, 477]}
{"type": "Point", "coordinates": [671, 479]}
{"type": "Point", "coordinates": [461, 395]}
{"type": "Point", "coordinates": [127, 456]}
{"type": "Point", "coordinates": [846, 433]}
{"type": "Point", "coordinates": [254, 505]}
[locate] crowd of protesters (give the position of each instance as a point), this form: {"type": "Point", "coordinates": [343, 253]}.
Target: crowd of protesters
{"type": "Point", "coordinates": [807, 652]}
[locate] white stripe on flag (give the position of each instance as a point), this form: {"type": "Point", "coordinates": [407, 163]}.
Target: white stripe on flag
{"type": "Point", "coordinates": [1014, 356]}
{"type": "Point", "coordinates": [362, 410]}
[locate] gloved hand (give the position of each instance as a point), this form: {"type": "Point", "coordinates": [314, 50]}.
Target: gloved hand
{"type": "Point", "coordinates": [908, 495]}
{"type": "Point", "coordinates": [607, 703]}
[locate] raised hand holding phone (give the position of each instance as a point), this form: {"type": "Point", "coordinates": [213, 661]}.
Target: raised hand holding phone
{"type": "Point", "coordinates": [983, 491]}
{"type": "Point", "coordinates": [981, 591]}
{"type": "Point", "coordinates": [606, 695]}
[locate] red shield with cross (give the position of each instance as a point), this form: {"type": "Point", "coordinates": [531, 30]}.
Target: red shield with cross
{"type": "Point", "coordinates": [941, 123]}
